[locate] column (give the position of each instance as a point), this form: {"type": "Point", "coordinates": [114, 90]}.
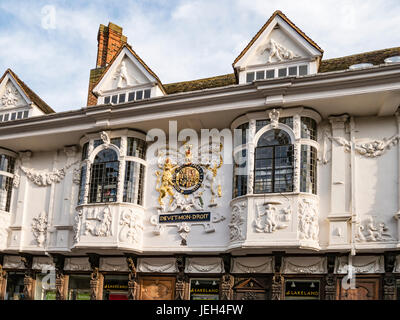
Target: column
{"type": "Point", "coordinates": [132, 282]}
{"type": "Point", "coordinates": [28, 279]}
{"type": "Point", "coordinates": [339, 214]}
{"type": "Point", "coordinates": [250, 156]}
{"type": "Point", "coordinates": [96, 278]}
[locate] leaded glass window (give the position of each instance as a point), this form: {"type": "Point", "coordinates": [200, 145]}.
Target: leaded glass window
{"type": "Point", "coordinates": [82, 184]}
{"type": "Point", "coordinates": [104, 177]}
{"type": "Point", "coordinates": [133, 187]}
{"type": "Point", "coordinates": [136, 148]}
{"type": "Point", "coordinates": [273, 170]}
{"type": "Point", "coordinates": [308, 128]}
{"type": "Point", "coordinates": [240, 174]}
{"type": "Point", "coordinates": [308, 169]}
{"type": "Point", "coordinates": [7, 164]}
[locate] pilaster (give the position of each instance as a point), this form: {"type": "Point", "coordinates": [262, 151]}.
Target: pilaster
{"type": "Point", "coordinates": [96, 278]}
{"type": "Point", "coordinates": [339, 214]}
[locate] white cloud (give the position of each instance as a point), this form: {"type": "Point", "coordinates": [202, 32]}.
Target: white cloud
{"type": "Point", "coordinates": [179, 40]}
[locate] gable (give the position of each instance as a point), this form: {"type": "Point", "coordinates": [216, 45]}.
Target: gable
{"type": "Point", "coordinates": [278, 43]}
{"type": "Point", "coordinates": [11, 95]}
{"type": "Point", "coordinates": [125, 72]}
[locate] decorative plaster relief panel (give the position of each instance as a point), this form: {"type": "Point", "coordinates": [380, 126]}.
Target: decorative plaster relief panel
{"type": "Point", "coordinates": [372, 230]}
{"type": "Point", "coordinates": [13, 262]}
{"type": "Point", "coordinates": [306, 265]}
{"type": "Point", "coordinates": [159, 265]}
{"type": "Point", "coordinates": [204, 265]}
{"type": "Point", "coordinates": [113, 264]}
{"type": "Point", "coordinates": [252, 265]}
{"type": "Point", "coordinates": [42, 263]}
{"type": "Point", "coordinates": [237, 225]}
{"type": "Point", "coordinates": [77, 264]}
{"type": "Point", "coordinates": [361, 264]}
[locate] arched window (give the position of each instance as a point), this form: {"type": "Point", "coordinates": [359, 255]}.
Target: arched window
{"type": "Point", "coordinates": [273, 171]}
{"type": "Point", "coordinates": [104, 177]}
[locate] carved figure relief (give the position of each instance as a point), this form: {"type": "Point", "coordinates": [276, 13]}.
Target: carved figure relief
{"type": "Point", "coordinates": [279, 52]}
{"type": "Point", "coordinates": [370, 230]}
{"type": "Point", "coordinates": [132, 226]}
{"type": "Point", "coordinates": [10, 97]}
{"type": "Point", "coordinates": [98, 222]}
{"type": "Point", "coordinates": [39, 228]}
{"type": "Point", "coordinates": [308, 220]}
{"type": "Point", "coordinates": [270, 219]}
{"type": "Point", "coordinates": [122, 76]}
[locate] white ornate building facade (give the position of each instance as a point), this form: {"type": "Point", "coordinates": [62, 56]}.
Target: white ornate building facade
{"type": "Point", "coordinates": [293, 195]}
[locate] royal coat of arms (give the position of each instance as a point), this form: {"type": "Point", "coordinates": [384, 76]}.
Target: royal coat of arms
{"type": "Point", "coordinates": [188, 182]}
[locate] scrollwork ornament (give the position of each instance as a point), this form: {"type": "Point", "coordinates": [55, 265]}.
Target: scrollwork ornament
{"type": "Point", "coordinates": [39, 229]}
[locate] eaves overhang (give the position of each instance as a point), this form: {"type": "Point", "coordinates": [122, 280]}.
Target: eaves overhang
{"type": "Point", "coordinates": [320, 85]}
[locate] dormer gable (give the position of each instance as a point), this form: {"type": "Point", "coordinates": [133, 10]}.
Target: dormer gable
{"type": "Point", "coordinates": [279, 49]}
{"type": "Point", "coordinates": [17, 100]}
{"type": "Point", "coordinates": [127, 78]}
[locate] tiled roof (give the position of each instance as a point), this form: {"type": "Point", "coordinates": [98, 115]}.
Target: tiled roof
{"type": "Point", "coordinates": [329, 65]}
{"type": "Point", "coordinates": [29, 93]}
{"type": "Point", "coordinates": [206, 83]}
{"type": "Point", "coordinates": [343, 63]}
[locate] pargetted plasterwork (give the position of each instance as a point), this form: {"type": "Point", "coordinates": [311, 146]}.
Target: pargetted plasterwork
{"type": "Point", "coordinates": [370, 230]}
{"type": "Point", "coordinates": [306, 265]}
{"type": "Point", "coordinates": [13, 262]}
{"type": "Point", "coordinates": [10, 97]}
{"type": "Point", "coordinates": [204, 265]}
{"type": "Point", "coordinates": [360, 264]}
{"type": "Point", "coordinates": [113, 264]}
{"type": "Point", "coordinates": [370, 149]}
{"type": "Point", "coordinates": [39, 228]}
{"type": "Point", "coordinates": [45, 178]}
{"type": "Point", "coordinates": [237, 223]}
{"type": "Point", "coordinates": [98, 221]}
{"type": "Point", "coordinates": [131, 226]}
{"type": "Point", "coordinates": [278, 51]}
{"type": "Point", "coordinates": [159, 265]}
{"type": "Point", "coordinates": [271, 218]}
{"type": "Point", "coordinates": [308, 220]}
{"type": "Point", "coordinates": [77, 264]}
{"type": "Point", "coordinates": [252, 265]}
{"type": "Point", "coordinates": [42, 263]}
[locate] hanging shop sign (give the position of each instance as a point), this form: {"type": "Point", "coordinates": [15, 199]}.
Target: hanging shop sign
{"type": "Point", "coordinates": [295, 289]}
{"type": "Point", "coordinates": [185, 217]}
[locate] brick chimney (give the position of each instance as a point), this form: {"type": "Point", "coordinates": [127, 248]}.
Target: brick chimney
{"type": "Point", "coordinates": [110, 39]}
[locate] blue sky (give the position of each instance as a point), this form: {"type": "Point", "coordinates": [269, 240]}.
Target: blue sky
{"type": "Point", "coordinates": [179, 39]}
